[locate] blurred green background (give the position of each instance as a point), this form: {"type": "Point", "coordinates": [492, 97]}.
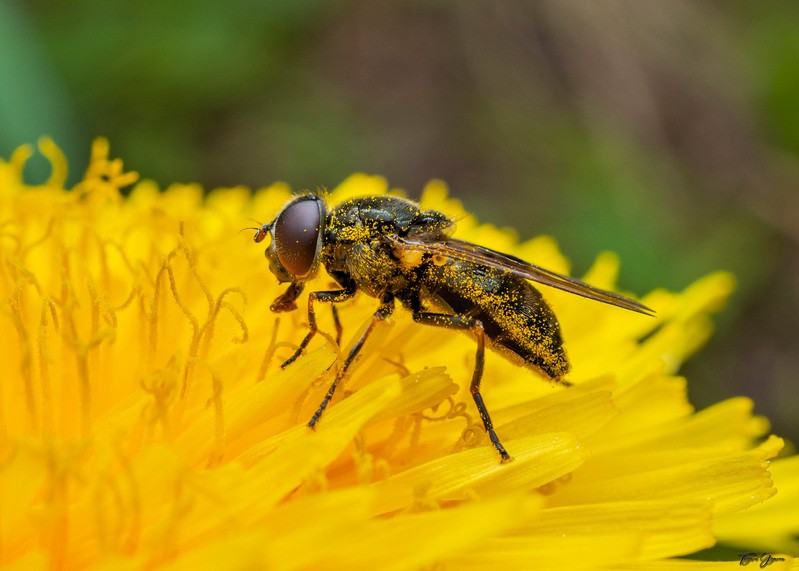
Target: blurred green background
{"type": "Point", "coordinates": [665, 131]}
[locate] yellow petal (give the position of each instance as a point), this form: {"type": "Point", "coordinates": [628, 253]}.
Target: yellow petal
{"type": "Point", "coordinates": [537, 460]}
{"type": "Point", "coordinates": [772, 525]}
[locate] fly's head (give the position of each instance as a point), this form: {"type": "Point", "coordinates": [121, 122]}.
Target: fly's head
{"type": "Point", "coordinates": [297, 238]}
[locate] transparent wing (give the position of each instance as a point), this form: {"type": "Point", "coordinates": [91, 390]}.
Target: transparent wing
{"type": "Point", "coordinates": [453, 248]}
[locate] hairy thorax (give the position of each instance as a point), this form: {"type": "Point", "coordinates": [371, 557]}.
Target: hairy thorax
{"type": "Point", "coordinates": [371, 265]}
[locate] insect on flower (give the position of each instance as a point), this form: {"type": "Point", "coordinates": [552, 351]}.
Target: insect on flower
{"type": "Point", "coordinates": [390, 249]}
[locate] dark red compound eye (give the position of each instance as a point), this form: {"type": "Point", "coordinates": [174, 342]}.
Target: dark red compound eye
{"type": "Point", "coordinates": [296, 235]}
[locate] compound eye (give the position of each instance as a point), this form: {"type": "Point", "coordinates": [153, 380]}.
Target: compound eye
{"type": "Point", "coordinates": [296, 235]}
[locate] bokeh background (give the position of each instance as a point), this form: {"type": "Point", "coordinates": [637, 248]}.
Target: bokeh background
{"type": "Point", "coordinates": [667, 131]}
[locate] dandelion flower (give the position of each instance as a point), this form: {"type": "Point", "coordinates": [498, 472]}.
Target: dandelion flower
{"type": "Point", "coordinates": [145, 422]}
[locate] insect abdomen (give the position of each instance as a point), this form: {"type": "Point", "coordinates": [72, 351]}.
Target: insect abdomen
{"type": "Point", "coordinates": [517, 321]}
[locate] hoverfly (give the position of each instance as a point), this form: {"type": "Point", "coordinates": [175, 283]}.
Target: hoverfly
{"type": "Point", "coordinates": [391, 249]}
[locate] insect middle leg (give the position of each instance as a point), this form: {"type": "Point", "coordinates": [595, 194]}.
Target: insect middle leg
{"type": "Point", "coordinates": [476, 326]}
{"type": "Point", "coordinates": [386, 308]}
{"type": "Point", "coordinates": [331, 296]}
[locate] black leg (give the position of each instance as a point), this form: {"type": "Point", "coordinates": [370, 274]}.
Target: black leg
{"type": "Point", "coordinates": [337, 323]}
{"type": "Point", "coordinates": [385, 309]}
{"type": "Point", "coordinates": [332, 296]}
{"type": "Point", "coordinates": [462, 323]}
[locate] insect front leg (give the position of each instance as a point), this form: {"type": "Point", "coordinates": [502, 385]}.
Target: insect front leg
{"type": "Point", "coordinates": [386, 308]}
{"type": "Point", "coordinates": [287, 301]}
{"type": "Point", "coordinates": [476, 326]}
{"type": "Point", "coordinates": [337, 324]}
{"type": "Point", "coordinates": [331, 296]}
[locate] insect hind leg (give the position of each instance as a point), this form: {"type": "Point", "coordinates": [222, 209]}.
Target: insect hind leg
{"type": "Point", "coordinates": [476, 326]}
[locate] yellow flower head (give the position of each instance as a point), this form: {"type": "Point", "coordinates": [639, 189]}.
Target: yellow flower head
{"type": "Point", "coordinates": [145, 421]}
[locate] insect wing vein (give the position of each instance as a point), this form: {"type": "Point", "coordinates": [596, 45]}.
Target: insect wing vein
{"type": "Point", "coordinates": [460, 249]}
